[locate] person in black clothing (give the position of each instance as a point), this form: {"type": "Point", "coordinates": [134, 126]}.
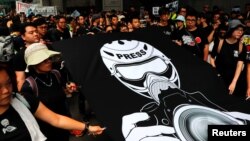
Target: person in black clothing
{"type": "Point", "coordinates": [194, 39]}
{"type": "Point", "coordinates": [204, 25]}
{"type": "Point", "coordinates": [179, 30]}
{"type": "Point", "coordinates": [30, 35]}
{"type": "Point", "coordinates": [165, 24]}
{"type": "Point", "coordinates": [42, 29]}
{"type": "Point", "coordinates": [82, 26]}
{"type": "Point", "coordinates": [50, 87]}
{"type": "Point", "coordinates": [17, 113]}
{"type": "Point", "coordinates": [228, 59]}
{"type": "Point", "coordinates": [61, 31]}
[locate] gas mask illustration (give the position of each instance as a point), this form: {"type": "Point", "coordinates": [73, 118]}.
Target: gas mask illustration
{"type": "Point", "coordinates": [148, 72]}
{"type": "Point", "coordinates": [140, 67]}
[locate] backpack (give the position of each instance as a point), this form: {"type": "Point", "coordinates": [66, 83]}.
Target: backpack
{"type": "Point", "coordinates": [7, 50]}
{"type": "Point", "coordinates": [33, 84]}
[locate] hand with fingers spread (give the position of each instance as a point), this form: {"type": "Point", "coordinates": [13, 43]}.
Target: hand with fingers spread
{"type": "Point", "coordinates": [150, 133]}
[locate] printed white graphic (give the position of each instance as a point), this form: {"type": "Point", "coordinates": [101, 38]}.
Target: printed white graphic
{"type": "Point", "coordinates": [6, 127]}
{"type": "Point", "coordinates": [187, 40]}
{"type": "Point", "coordinates": [173, 114]}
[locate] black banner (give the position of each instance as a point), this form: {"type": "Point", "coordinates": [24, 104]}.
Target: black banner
{"type": "Point", "coordinates": [143, 87]}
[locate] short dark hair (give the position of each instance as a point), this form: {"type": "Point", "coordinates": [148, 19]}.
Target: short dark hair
{"type": "Point", "coordinates": [39, 21]}
{"type": "Point", "coordinates": [23, 27]}
{"type": "Point", "coordinates": [163, 11]}
{"type": "Point", "coordinates": [192, 14]}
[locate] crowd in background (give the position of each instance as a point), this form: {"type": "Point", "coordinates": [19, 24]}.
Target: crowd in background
{"type": "Point", "coordinates": [218, 37]}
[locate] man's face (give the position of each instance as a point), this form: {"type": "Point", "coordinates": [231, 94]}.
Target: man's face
{"type": "Point", "coordinates": [31, 35]}
{"type": "Point", "coordinates": [114, 21]}
{"type": "Point", "coordinates": [183, 12]}
{"type": "Point", "coordinates": [81, 20]}
{"type": "Point", "coordinates": [191, 21]}
{"type": "Point", "coordinates": [164, 17]}
{"type": "Point", "coordinates": [61, 23]}
{"type": "Point", "coordinates": [136, 23]}
{"type": "Point", "coordinates": [42, 29]}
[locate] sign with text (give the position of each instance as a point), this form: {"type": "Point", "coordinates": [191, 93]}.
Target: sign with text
{"type": "Point", "coordinates": [44, 10]}
{"type": "Point", "coordinates": [35, 8]}
{"type": "Point", "coordinates": [112, 5]}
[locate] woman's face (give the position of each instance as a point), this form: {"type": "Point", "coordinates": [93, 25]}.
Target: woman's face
{"type": "Point", "coordinates": [238, 32]}
{"type": "Point", "coordinates": [44, 67]}
{"type": "Point", "coordinates": [5, 88]}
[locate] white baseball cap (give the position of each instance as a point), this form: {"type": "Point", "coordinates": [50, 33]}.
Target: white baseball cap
{"type": "Point", "coordinates": [180, 18]}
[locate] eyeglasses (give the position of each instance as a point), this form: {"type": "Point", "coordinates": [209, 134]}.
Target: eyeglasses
{"type": "Point", "coordinates": [191, 20]}
{"type": "Point", "coordinates": [239, 30]}
{"type": "Point", "coordinates": [43, 27]}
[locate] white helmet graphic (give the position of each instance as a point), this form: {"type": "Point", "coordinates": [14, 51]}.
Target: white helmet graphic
{"type": "Point", "coordinates": [140, 67]}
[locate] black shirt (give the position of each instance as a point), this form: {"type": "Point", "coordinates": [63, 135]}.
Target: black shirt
{"type": "Point", "coordinates": [56, 35]}
{"type": "Point", "coordinates": [12, 126]}
{"type": "Point", "coordinates": [18, 61]}
{"type": "Point", "coordinates": [51, 94]}
{"type": "Point", "coordinates": [194, 41]}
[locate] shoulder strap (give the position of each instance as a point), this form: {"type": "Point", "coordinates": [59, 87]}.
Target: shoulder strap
{"type": "Point", "coordinates": [220, 46]}
{"type": "Point", "coordinates": [57, 74]}
{"type": "Point", "coordinates": [33, 84]}
{"type": "Point", "coordinates": [23, 100]}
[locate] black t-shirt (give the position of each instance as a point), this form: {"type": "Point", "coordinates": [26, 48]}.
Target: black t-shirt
{"type": "Point", "coordinates": [167, 30]}
{"type": "Point", "coordinates": [226, 60]}
{"type": "Point", "coordinates": [194, 41]}
{"type": "Point", "coordinates": [18, 61]}
{"type": "Point", "coordinates": [56, 35]}
{"type": "Point", "coordinates": [51, 94]}
{"type": "Point", "coordinates": [177, 33]}
{"type": "Point", "coordinates": [12, 126]}
{"type": "Point", "coordinates": [207, 30]}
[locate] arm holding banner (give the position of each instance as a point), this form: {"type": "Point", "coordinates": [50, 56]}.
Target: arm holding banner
{"type": "Point", "coordinates": [64, 122]}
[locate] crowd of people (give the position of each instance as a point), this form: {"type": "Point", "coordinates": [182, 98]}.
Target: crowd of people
{"type": "Point", "coordinates": [215, 36]}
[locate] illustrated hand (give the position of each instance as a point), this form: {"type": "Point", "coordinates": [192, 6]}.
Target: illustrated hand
{"type": "Point", "coordinates": [149, 133]}
{"type": "Point", "coordinates": [95, 130]}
